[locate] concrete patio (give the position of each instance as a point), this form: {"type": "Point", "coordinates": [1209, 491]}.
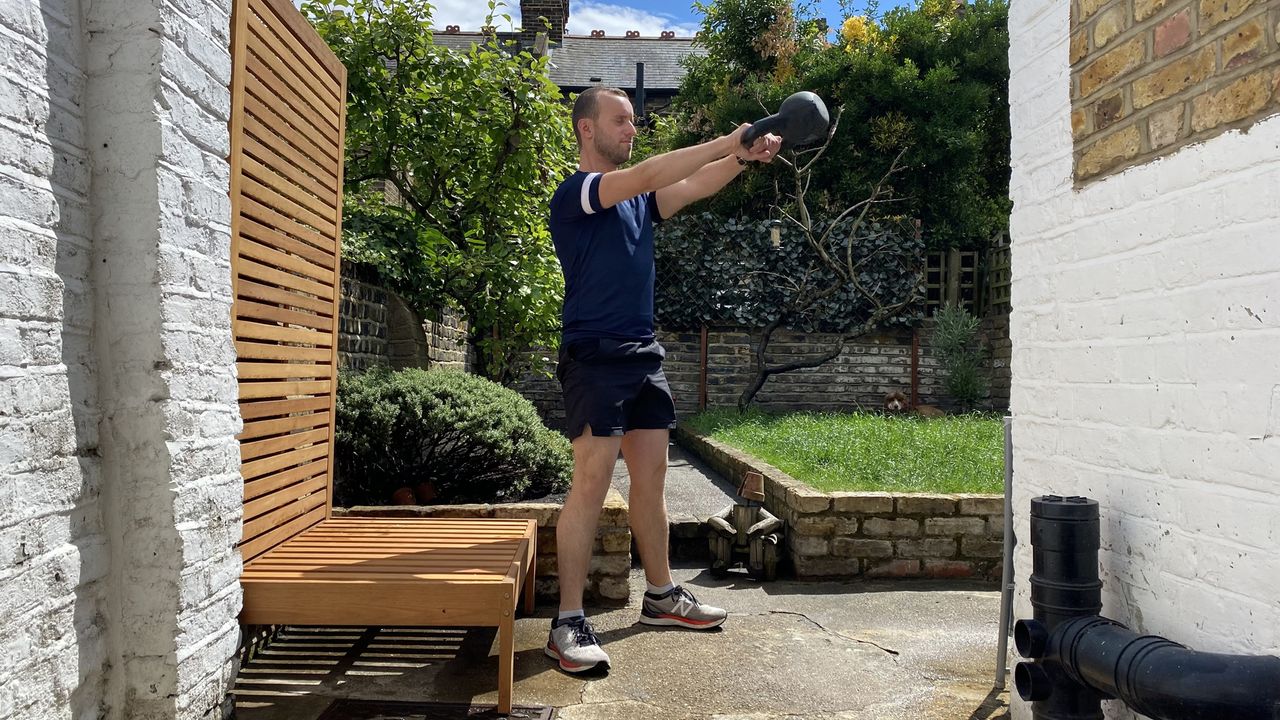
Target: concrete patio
{"type": "Point", "coordinates": [867, 650]}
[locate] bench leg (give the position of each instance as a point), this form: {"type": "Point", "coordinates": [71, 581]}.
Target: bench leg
{"type": "Point", "coordinates": [528, 591]}
{"type": "Point", "coordinates": [506, 660]}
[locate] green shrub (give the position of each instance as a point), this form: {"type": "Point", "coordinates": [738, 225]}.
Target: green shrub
{"type": "Point", "coordinates": [472, 439]}
{"type": "Point", "coordinates": [955, 342]}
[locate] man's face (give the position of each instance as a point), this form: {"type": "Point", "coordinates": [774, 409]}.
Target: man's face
{"type": "Point", "coordinates": [614, 128]}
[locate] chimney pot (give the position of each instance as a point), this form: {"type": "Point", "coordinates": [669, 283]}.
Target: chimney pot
{"type": "Point", "coordinates": [668, 34]}
{"type": "Point", "coordinates": [633, 33]}
{"type": "Point", "coordinates": [452, 29]}
{"type": "Point", "coordinates": [597, 33]}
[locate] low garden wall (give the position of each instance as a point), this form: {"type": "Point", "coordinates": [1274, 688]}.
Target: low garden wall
{"type": "Point", "coordinates": [608, 579]}
{"type": "Point", "coordinates": [870, 534]}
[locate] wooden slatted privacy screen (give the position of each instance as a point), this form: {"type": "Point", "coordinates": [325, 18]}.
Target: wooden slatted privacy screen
{"type": "Point", "coordinates": [287, 127]}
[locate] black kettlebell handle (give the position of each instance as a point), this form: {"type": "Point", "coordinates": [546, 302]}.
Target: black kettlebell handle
{"type": "Point", "coordinates": [764, 126]}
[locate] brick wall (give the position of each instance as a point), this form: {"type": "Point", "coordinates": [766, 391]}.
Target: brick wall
{"type": "Point", "coordinates": [119, 470]}
{"type": "Point", "coordinates": [1151, 76]}
{"type": "Point", "coordinates": [362, 324]}
{"type": "Point", "coordinates": [54, 557]}
{"type": "Point", "coordinates": [871, 534]}
{"type": "Point", "coordinates": [859, 377]}
{"type": "Point", "coordinates": [1147, 328]}
{"type": "Point", "coordinates": [378, 328]}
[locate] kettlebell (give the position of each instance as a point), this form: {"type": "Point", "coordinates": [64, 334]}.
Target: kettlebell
{"type": "Point", "coordinates": [802, 120]}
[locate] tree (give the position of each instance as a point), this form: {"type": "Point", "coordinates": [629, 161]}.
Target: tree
{"type": "Point", "coordinates": [472, 144]}
{"type": "Point", "coordinates": [856, 258]}
{"type": "Point", "coordinates": [926, 86]}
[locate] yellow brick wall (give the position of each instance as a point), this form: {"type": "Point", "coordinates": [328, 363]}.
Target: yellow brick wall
{"type": "Point", "coordinates": [1150, 76]}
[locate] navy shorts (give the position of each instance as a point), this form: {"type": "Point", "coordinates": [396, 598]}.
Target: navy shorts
{"type": "Point", "coordinates": [614, 386]}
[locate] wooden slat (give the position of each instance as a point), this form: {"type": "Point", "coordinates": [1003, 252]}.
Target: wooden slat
{"type": "Point", "coordinates": [274, 238]}
{"type": "Point", "coordinates": [264, 428]}
{"type": "Point", "coordinates": [270, 351]}
{"type": "Point", "coordinates": [282, 296]}
{"type": "Point", "coordinates": [459, 603]}
{"type": "Point", "coordinates": [283, 223]}
{"type": "Point", "coordinates": [318, 204]}
{"type": "Point", "coordinates": [279, 462]}
{"type": "Point", "coordinates": [291, 555]}
{"type": "Point", "coordinates": [274, 313]}
{"type": "Point", "coordinates": [248, 330]}
{"type": "Point", "coordinates": [337, 297]}
{"type": "Point", "coordinates": [266, 273]}
{"type": "Point", "coordinates": [290, 511]}
{"type": "Point", "coordinates": [313, 53]}
{"type": "Point", "coordinates": [262, 448]}
{"type": "Point", "coordinates": [281, 118]}
{"type": "Point", "coordinates": [465, 562]}
{"type": "Point", "coordinates": [356, 575]}
{"type": "Point", "coordinates": [273, 257]}
{"type": "Point", "coordinates": [284, 389]}
{"type": "Point", "coordinates": [279, 101]}
{"type": "Point", "coordinates": [270, 71]}
{"type": "Point", "coordinates": [282, 51]}
{"type": "Point", "coordinates": [324, 193]}
{"type": "Point", "coordinates": [271, 483]}
{"type": "Point", "coordinates": [276, 408]}
{"type": "Point", "coordinates": [282, 371]}
{"type": "Point", "coordinates": [264, 194]}
{"type": "Point", "coordinates": [251, 547]}
{"type": "Point", "coordinates": [282, 497]}
{"type": "Point", "coordinates": [278, 140]}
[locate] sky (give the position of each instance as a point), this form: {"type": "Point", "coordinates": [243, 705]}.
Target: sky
{"type": "Point", "coordinates": [616, 17]}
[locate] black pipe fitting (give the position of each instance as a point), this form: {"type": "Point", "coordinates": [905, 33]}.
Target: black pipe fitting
{"type": "Point", "coordinates": [1081, 658]}
{"type": "Point", "coordinates": [1065, 538]}
{"type": "Point", "coordinates": [1157, 678]}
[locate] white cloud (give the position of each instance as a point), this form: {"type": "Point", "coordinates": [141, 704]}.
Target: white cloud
{"type": "Point", "coordinates": [618, 19]}
{"type": "Point", "coordinates": [583, 18]}
{"type": "Point", "coordinates": [470, 14]}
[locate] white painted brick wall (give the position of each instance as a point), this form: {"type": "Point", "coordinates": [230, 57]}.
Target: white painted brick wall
{"type": "Point", "coordinates": [53, 557]}
{"type": "Point", "coordinates": [119, 471]}
{"type": "Point", "coordinates": [1146, 367]}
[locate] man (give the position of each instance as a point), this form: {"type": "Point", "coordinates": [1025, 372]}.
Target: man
{"type": "Point", "coordinates": [616, 396]}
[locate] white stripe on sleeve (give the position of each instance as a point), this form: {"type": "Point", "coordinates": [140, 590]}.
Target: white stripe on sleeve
{"type": "Point", "coordinates": [586, 192]}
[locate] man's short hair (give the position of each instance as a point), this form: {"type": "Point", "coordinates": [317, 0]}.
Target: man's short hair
{"type": "Point", "coordinates": [587, 103]}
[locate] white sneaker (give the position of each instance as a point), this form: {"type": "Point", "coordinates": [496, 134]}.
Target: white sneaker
{"type": "Point", "coordinates": [680, 608]}
{"type": "Point", "coordinates": [574, 643]}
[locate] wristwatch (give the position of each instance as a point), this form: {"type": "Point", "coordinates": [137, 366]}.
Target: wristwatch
{"type": "Point", "coordinates": [741, 161]}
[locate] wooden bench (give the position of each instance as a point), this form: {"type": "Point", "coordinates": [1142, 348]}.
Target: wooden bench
{"type": "Point", "coordinates": [422, 572]}
{"type": "Point", "coordinates": [302, 565]}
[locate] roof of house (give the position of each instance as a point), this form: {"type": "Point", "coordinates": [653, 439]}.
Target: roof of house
{"type": "Point", "coordinates": [579, 60]}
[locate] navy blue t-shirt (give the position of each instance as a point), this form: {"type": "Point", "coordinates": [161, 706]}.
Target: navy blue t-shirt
{"type": "Point", "coordinates": [607, 258]}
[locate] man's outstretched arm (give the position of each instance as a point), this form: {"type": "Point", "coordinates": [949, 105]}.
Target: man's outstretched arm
{"type": "Point", "coordinates": [712, 177]}
{"type": "Point", "coordinates": [662, 170]}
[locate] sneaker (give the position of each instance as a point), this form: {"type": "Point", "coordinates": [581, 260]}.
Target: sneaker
{"type": "Point", "coordinates": [679, 607]}
{"type": "Point", "coordinates": [574, 643]}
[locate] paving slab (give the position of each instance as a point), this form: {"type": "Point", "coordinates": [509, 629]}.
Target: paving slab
{"type": "Point", "coordinates": [692, 488]}
{"type": "Point", "coordinates": [873, 650]}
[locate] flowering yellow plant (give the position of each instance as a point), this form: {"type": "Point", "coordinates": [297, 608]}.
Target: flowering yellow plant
{"type": "Point", "coordinates": [857, 30]}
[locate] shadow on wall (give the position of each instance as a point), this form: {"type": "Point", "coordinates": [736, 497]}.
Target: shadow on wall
{"type": "Point", "coordinates": [65, 133]}
{"type": "Point", "coordinates": [122, 515]}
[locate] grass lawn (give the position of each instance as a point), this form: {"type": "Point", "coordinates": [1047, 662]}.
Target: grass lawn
{"type": "Point", "coordinates": [859, 451]}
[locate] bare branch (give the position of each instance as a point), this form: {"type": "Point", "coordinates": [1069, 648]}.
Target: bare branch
{"type": "Point", "coordinates": [831, 133]}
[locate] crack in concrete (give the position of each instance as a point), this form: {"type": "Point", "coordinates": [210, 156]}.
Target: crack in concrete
{"type": "Point", "coordinates": [890, 651]}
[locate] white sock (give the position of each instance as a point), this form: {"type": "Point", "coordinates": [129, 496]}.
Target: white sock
{"type": "Point", "coordinates": [567, 614]}
{"type": "Point", "coordinates": [660, 589]}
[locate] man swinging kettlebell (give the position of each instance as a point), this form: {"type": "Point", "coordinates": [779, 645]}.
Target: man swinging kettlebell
{"type": "Point", "coordinates": [616, 396]}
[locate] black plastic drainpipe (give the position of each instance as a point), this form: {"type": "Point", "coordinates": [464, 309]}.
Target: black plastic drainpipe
{"type": "Point", "coordinates": [1064, 585]}
{"type": "Point", "coordinates": [1081, 658]}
